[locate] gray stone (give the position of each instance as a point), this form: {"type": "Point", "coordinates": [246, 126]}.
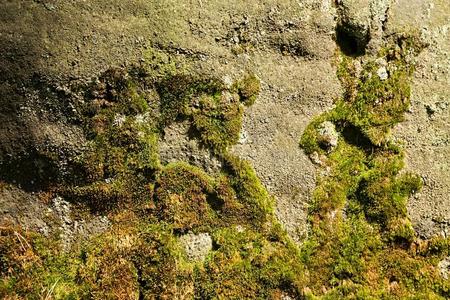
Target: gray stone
{"type": "Point", "coordinates": [328, 135]}
{"type": "Point", "coordinates": [196, 246]}
{"type": "Point", "coordinates": [444, 267]}
{"type": "Point", "coordinates": [382, 73]}
{"type": "Point", "coordinates": [363, 20]}
{"type": "Point", "coordinates": [355, 19]}
{"type": "Point", "coordinates": [176, 145]}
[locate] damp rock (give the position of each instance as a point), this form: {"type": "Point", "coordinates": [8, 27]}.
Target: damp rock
{"type": "Point", "coordinates": [196, 246]}
{"type": "Point", "coordinates": [328, 136]}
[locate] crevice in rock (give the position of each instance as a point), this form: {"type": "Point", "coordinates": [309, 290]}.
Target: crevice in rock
{"type": "Point", "coordinates": [349, 43]}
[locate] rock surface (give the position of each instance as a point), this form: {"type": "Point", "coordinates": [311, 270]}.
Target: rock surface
{"type": "Point", "coordinates": [426, 131]}
{"type": "Point", "coordinates": [288, 44]}
{"type": "Point", "coordinates": [328, 135]}
{"type": "Point", "coordinates": [196, 246]}
{"type": "Point", "coordinates": [177, 145]}
{"type": "Point", "coordinates": [444, 267]}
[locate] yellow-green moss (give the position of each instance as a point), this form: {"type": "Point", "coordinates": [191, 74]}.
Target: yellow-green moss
{"type": "Point", "coordinates": [245, 265]}
{"type": "Point", "coordinates": [248, 88]}
{"type": "Point", "coordinates": [361, 243]}
{"type": "Point", "coordinates": [34, 267]}
{"type": "Point", "coordinates": [218, 120]}
{"type": "Point", "coordinates": [182, 194]}
{"type": "Point", "coordinates": [249, 190]}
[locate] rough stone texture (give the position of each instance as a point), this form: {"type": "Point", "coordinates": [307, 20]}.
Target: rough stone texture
{"type": "Point", "coordinates": [30, 212]}
{"type": "Point", "coordinates": [46, 46]}
{"type": "Point", "coordinates": [196, 246]}
{"type": "Point", "coordinates": [444, 267]}
{"type": "Point", "coordinates": [356, 15]}
{"type": "Point", "coordinates": [363, 20]}
{"type": "Point", "coordinates": [176, 145]}
{"type": "Point", "coordinates": [274, 125]}
{"type": "Point", "coordinates": [71, 228]}
{"type": "Point", "coordinates": [426, 131]}
{"type": "Point", "coordinates": [328, 134]}
{"type": "Point", "coordinates": [23, 209]}
{"type": "Point", "coordinates": [382, 73]}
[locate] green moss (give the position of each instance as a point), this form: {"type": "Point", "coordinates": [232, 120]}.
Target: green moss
{"type": "Point", "coordinates": [246, 265]}
{"type": "Point", "coordinates": [249, 190]}
{"type": "Point", "coordinates": [248, 89]}
{"type": "Point", "coordinates": [357, 240]}
{"type": "Point", "coordinates": [361, 244]}
{"type": "Point", "coordinates": [182, 193]}
{"type": "Point", "coordinates": [189, 199]}
{"type": "Point", "coordinates": [177, 93]}
{"type": "Point", "coordinates": [122, 154]}
{"type": "Point", "coordinates": [218, 120]}
{"type": "Point", "coordinates": [159, 261]}
{"type": "Point", "coordinates": [372, 104]}
{"type": "Point", "coordinates": [385, 195]}
{"type": "Point", "coordinates": [310, 140]}
{"type": "Point", "coordinates": [361, 234]}
{"type": "Point", "coordinates": [34, 267]}
{"type": "Point", "coordinates": [216, 113]}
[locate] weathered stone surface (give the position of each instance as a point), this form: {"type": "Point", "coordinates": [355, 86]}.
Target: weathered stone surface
{"type": "Point", "coordinates": [328, 135]}
{"type": "Point", "coordinates": [426, 129]}
{"type": "Point", "coordinates": [196, 246]}
{"type": "Point", "coordinates": [288, 44]}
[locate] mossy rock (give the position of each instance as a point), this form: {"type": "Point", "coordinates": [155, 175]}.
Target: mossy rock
{"type": "Point", "coordinates": [259, 205]}
{"type": "Point", "coordinates": [218, 120]}
{"type": "Point", "coordinates": [248, 88]}
{"type": "Point", "coordinates": [246, 265]}
{"type": "Point", "coordinates": [182, 193]}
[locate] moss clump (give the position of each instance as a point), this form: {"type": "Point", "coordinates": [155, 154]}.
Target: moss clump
{"type": "Point", "coordinates": [370, 103]}
{"type": "Point", "coordinates": [361, 241]}
{"type": "Point", "coordinates": [189, 199]}
{"type": "Point", "coordinates": [218, 120]}
{"type": "Point", "coordinates": [248, 89]}
{"type": "Point", "coordinates": [34, 267]}
{"type": "Point", "coordinates": [310, 140]}
{"type": "Point", "coordinates": [348, 164]}
{"type": "Point", "coordinates": [120, 120]}
{"type": "Point", "coordinates": [246, 265]}
{"type": "Point", "coordinates": [249, 190]}
{"type": "Point", "coordinates": [178, 91]}
{"type": "Point", "coordinates": [182, 193]}
{"type": "Point", "coordinates": [215, 111]}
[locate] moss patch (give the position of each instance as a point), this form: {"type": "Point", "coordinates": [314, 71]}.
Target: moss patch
{"type": "Point", "coordinates": [362, 241]}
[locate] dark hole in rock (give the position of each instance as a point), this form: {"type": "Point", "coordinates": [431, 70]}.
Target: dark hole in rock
{"type": "Point", "coordinates": [179, 231]}
{"type": "Point", "coordinates": [350, 42]}
{"type": "Point", "coordinates": [215, 246]}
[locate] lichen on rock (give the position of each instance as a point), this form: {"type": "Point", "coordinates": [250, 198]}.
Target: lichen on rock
{"type": "Point", "coordinates": [196, 246]}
